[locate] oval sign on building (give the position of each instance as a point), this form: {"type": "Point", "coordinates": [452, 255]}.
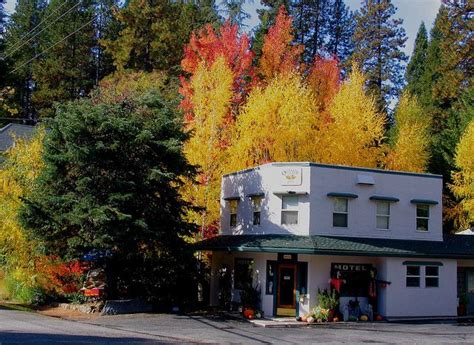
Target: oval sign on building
{"type": "Point", "coordinates": [291, 176]}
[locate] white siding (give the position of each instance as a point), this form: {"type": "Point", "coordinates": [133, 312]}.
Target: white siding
{"type": "Point", "coordinates": [316, 208]}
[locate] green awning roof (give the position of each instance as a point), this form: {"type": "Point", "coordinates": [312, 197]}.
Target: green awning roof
{"type": "Point", "coordinates": [342, 195]}
{"type": "Point", "coordinates": [424, 202]}
{"type": "Point", "coordinates": [456, 247]}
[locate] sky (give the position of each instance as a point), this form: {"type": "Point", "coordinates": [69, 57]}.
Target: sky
{"type": "Point", "coordinates": [413, 12]}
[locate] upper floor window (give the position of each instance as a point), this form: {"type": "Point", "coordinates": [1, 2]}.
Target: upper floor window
{"type": "Point", "coordinates": [233, 205]}
{"type": "Point", "coordinates": [422, 217]}
{"type": "Point", "coordinates": [289, 209]}
{"type": "Point", "coordinates": [383, 215]}
{"type": "Point", "coordinates": [256, 208]}
{"type": "Point", "coordinates": [340, 214]}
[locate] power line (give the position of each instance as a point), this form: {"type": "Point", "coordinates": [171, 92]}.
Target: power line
{"type": "Point", "coordinates": [42, 21]}
{"type": "Point", "coordinates": [54, 45]}
{"type": "Point", "coordinates": [28, 40]}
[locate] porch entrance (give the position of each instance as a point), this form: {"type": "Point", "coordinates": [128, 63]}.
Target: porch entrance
{"type": "Point", "coordinates": [286, 292]}
{"type": "Point", "coordinates": [466, 288]}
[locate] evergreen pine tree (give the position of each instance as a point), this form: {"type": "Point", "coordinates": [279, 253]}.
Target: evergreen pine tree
{"type": "Point", "coordinates": [311, 23]}
{"type": "Point", "coordinates": [416, 66]}
{"type": "Point", "coordinates": [446, 79]}
{"type": "Point", "coordinates": [3, 18]}
{"type": "Point", "coordinates": [340, 31]}
{"type": "Point", "coordinates": [378, 40]}
{"type": "Point", "coordinates": [106, 27]}
{"type": "Point", "coordinates": [66, 69]}
{"type": "Point", "coordinates": [154, 32]}
{"type": "Point", "coordinates": [234, 11]}
{"type": "Point", "coordinates": [22, 45]}
{"type": "Point", "coordinates": [111, 182]}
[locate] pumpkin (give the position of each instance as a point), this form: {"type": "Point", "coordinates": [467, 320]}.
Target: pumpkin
{"type": "Point", "coordinates": [249, 314]}
{"type": "Point", "coordinates": [379, 318]}
{"type": "Point", "coordinates": [335, 319]}
{"type": "Point", "coordinates": [364, 318]}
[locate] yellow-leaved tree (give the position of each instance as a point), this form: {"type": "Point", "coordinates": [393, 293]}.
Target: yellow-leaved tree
{"type": "Point", "coordinates": [410, 142]}
{"type": "Point", "coordinates": [463, 180]}
{"type": "Point", "coordinates": [354, 133]}
{"type": "Point", "coordinates": [22, 166]}
{"type": "Point", "coordinates": [210, 135]}
{"type": "Point", "coordinates": [278, 123]}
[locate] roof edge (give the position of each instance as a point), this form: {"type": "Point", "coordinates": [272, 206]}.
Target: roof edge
{"type": "Point", "coordinates": [335, 166]}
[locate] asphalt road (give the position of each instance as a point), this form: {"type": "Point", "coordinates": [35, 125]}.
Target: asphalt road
{"type": "Point", "coordinates": [18, 327]}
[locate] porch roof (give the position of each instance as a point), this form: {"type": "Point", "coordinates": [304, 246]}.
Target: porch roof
{"type": "Point", "coordinates": [454, 247]}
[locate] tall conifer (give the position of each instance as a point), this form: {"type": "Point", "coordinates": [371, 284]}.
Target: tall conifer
{"type": "Point", "coordinates": [22, 45]}
{"type": "Point", "coordinates": [378, 40]}
{"type": "Point", "coordinates": [154, 32]}
{"type": "Point", "coordinates": [66, 69]}
{"type": "Point", "coordinates": [416, 66]}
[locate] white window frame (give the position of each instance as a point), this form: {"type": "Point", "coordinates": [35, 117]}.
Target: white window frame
{"type": "Point", "coordinates": [377, 215]}
{"type": "Point", "coordinates": [231, 213]}
{"type": "Point", "coordinates": [432, 277]}
{"type": "Point", "coordinates": [418, 217]}
{"type": "Point", "coordinates": [290, 210]}
{"type": "Point", "coordinates": [413, 276]}
{"type": "Point", "coordinates": [346, 213]}
{"type": "Point", "coordinates": [255, 210]}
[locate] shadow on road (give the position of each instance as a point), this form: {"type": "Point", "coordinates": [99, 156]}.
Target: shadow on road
{"type": "Point", "coordinates": [16, 338]}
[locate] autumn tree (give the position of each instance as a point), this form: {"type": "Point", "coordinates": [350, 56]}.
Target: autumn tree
{"type": "Point", "coordinates": [204, 48]}
{"type": "Point", "coordinates": [275, 124]}
{"type": "Point", "coordinates": [354, 135]}
{"type": "Point", "coordinates": [463, 179]}
{"type": "Point", "coordinates": [279, 54]}
{"type": "Point", "coordinates": [410, 137]}
{"type": "Point", "coordinates": [210, 134]}
{"type": "Point", "coordinates": [123, 86]}
{"type": "Point", "coordinates": [20, 254]}
{"type": "Point", "coordinates": [324, 79]}
{"type": "Point", "coordinates": [378, 42]}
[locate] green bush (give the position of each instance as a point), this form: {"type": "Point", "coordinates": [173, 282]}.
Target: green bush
{"type": "Point", "coordinates": [22, 293]}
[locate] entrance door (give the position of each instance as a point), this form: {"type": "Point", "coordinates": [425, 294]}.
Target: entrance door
{"type": "Point", "coordinates": [286, 295]}
{"type": "Point", "coordinates": [470, 290]}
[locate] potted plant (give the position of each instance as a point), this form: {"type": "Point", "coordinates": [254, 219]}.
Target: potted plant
{"type": "Point", "coordinates": [250, 299]}
{"type": "Point", "coordinates": [330, 301]}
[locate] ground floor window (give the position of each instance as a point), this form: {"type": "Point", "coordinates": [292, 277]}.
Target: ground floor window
{"type": "Point", "coordinates": [243, 273]}
{"type": "Point", "coordinates": [413, 276]}
{"type": "Point", "coordinates": [431, 276]}
{"type": "Point", "coordinates": [351, 279]}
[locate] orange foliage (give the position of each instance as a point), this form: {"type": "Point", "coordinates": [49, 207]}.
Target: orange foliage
{"type": "Point", "coordinates": [324, 80]}
{"type": "Point", "coordinates": [59, 276]}
{"type": "Point", "coordinates": [205, 46]}
{"type": "Point", "coordinates": [279, 55]}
